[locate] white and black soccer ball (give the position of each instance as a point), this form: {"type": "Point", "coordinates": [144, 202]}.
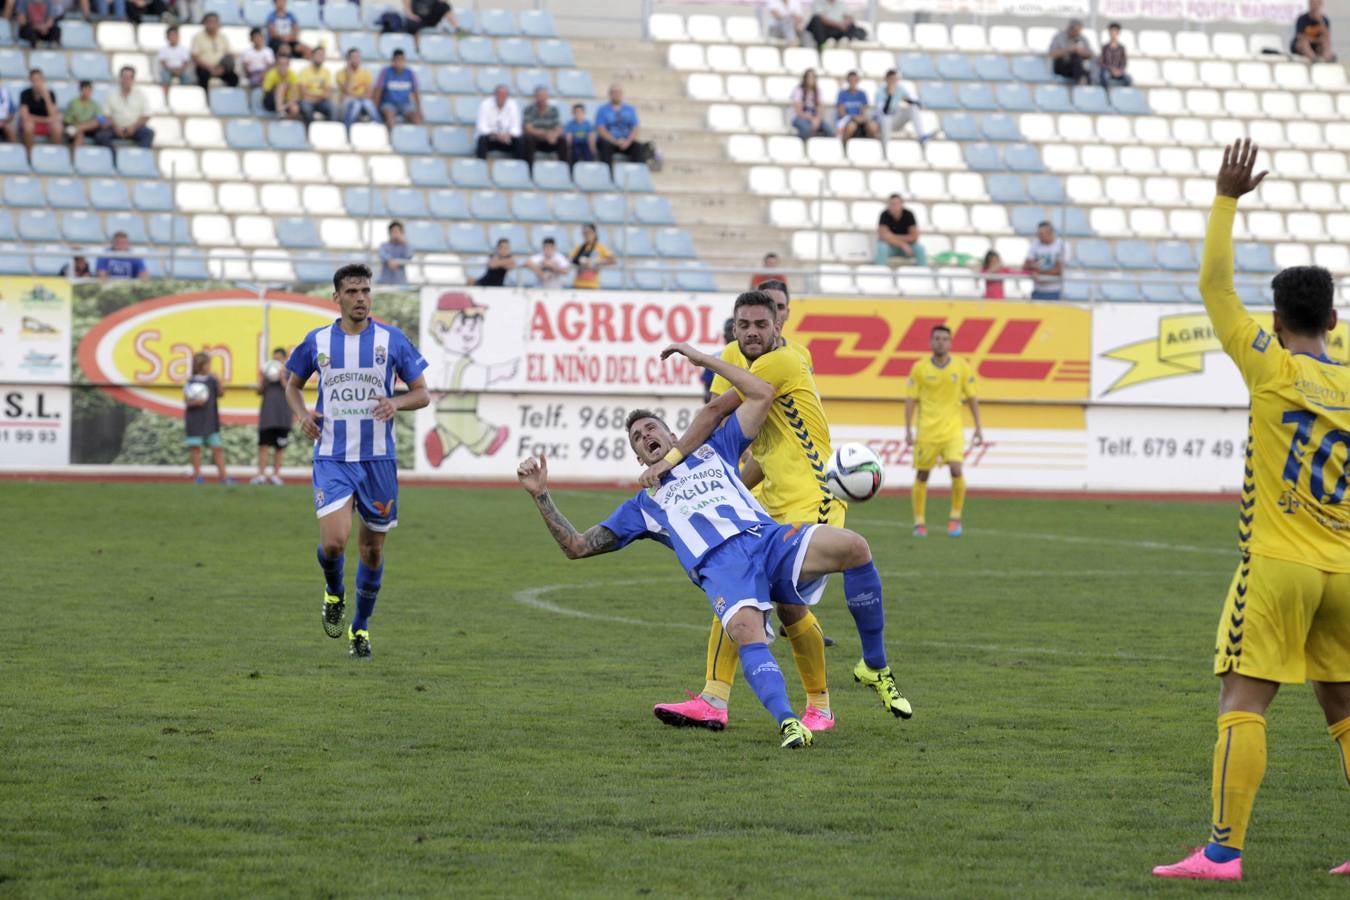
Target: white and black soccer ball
{"type": "Point", "coordinates": [272, 371]}
{"type": "Point", "coordinates": [196, 392]}
{"type": "Point", "coordinates": [854, 473]}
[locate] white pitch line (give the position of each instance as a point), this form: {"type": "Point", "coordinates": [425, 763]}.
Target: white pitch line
{"type": "Point", "coordinates": [1079, 539]}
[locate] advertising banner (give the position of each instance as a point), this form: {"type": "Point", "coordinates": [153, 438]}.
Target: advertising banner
{"type": "Point", "coordinates": [1280, 12]}
{"type": "Point", "coordinates": [1188, 450]}
{"type": "Point", "coordinates": [1009, 458]}
{"type": "Point", "coordinates": [35, 325]}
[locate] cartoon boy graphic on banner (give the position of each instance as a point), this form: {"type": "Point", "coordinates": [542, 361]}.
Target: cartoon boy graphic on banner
{"type": "Point", "coordinates": [457, 327]}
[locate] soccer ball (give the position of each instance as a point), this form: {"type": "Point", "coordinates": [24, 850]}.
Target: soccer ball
{"type": "Point", "coordinates": [854, 472]}
{"type": "Point", "coordinates": [196, 392]}
{"type": "Point", "coordinates": [272, 371]}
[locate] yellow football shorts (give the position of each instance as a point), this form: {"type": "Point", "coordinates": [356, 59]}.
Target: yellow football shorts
{"type": "Point", "coordinates": [1285, 622]}
{"type": "Point", "coordinates": [824, 512]}
{"type": "Point", "coordinates": [930, 454]}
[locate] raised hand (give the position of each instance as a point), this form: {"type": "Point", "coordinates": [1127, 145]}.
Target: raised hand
{"type": "Point", "coordinates": [684, 350]}
{"type": "Point", "coordinates": [533, 474]}
{"type": "Point", "coordinates": [651, 476]}
{"type": "Point", "coordinates": [1235, 174]}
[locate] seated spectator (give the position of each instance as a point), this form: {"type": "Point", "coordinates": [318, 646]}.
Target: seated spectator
{"type": "Point", "coordinates": [993, 265]}
{"type": "Point", "coordinates": [174, 61]}
{"type": "Point", "coordinates": [128, 113]}
{"type": "Point", "coordinates": [588, 257]}
{"type": "Point", "coordinates": [543, 129]}
{"type": "Point", "coordinates": [898, 235]}
{"type": "Point", "coordinates": [548, 265]}
{"type": "Point", "coordinates": [140, 9]}
{"type": "Point", "coordinates": [580, 136]}
{"type": "Point", "coordinates": [39, 114]}
{"type": "Point", "coordinates": [896, 109]}
{"type": "Point", "coordinates": [499, 263]}
{"type": "Point", "coordinates": [1045, 262]}
{"type": "Point", "coordinates": [808, 118]}
{"type": "Point", "coordinates": [616, 130]}
{"type": "Point", "coordinates": [396, 92]}
{"type": "Point", "coordinates": [83, 116]}
{"type": "Point", "coordinates": [783, 19]}
{"type": "Point", "coordinates": [1070, 53]}
{"type": "Point", "coordinates": [9, 116]}
{"type": "Point", "coordinates": [420, 14]}
{"type": "Point", "coordinates": [38, 21]}
{"type": "Point", "coordinates": [499, 129]}
{"type": "Point", "coordinates": [78, 267]}
{"type": "Point", "coordinates": [831, 23]}
{"type": "Point", "coordinates": [394, 256]}
{"type": "Point", "coordinates": [281, 88]}
{"type": "Point", "coordinates": [120, 264]}
{"type": "Point", "coordinates": [211, 54]}
{"type": "Point", "coordinates": [1312, 35]}
{"type": "Point", "coordinates": [1112, 62]}
{"type": "Point", "coordinates": [769, 273]}
{"type": "Point", "coordinates": [283, 30]}
{"type": "Point", "coordinates": [257, 59]}
{"type": "Point", "coordinates": [851, 110]}
{"type": "Point", "coordinates": [316, 88]}
{"type": "Point", "coordinates": [355, 85]}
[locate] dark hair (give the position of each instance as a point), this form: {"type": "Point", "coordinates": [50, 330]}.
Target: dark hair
{"type": "Point", "coordinates": [549, 242]}
{"type": "Point", "coordinates": [32, 72]}
{"type": "Point", "coordinates": [130, 69]}
{"type": "Point", "coordinates": [353, 50]}
{"type": "Point", "coordinates": [890, 72]}
{"type": "Point", "coordinates": [501, 241]}
{"type": "Point", "coordinates": [86, 84]}
{"type": "Point", "coordinates": [937, 328]}
{"type": "Point", "coordinates": [1044, 224]}
{"type": "Point", "coordinates": [729, 330]}
{"type": "Point", "coordinates": [1114, 26]}
{"type": "Point", "coordinates": [1303, 298]}
{"type": "Point", "coordinates": [894, 197]}
{"type": "Point", "coordinates": [774, 284]}
{"type": "Point", "coordinates": [258, 31]}
{"type": "Point", "coordinates": [578, 106]}
{"type": "Point", "coordinates": [351, 270]}
{"type": "Point", "coordinates": [852, 73]}
{"type": "Point", "coordinates": [209, 16]}
{"type": "Point", "coordinates": [172, 29]}
{"type": "Point", "coordinates": [395, 224]}
{"type": "Point", "coordinates": [637, 414]}
{"type": "Point", "coordinates": [118, 234]}
{"type": "Point", "coordinates": [987, 257]}
{"type": "Point", "coordinates": [754, 298]}
{"type": "Point", "coordinates": [398, 54]}
{"type": "Point", "coordinates": [276, 350]}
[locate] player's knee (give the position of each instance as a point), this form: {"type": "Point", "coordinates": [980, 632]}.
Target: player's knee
{"type": "Point", "coordinates": [746, 627]}
{"type": "Point", "coordinates": [956, 470]}
{"type": "Point", "coordinates": [332, 547]}
{"type": "Point", "coordinates": [855, 550]}
{"type": "Point", "coordinates": [372, 554]}
{"type": "Point", "coordinates": [921, 475]}
{"type": "Point", "coordinates": [1334, 698]}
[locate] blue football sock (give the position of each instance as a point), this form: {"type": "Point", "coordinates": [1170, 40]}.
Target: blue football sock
{"type": "Point", "coordinates": [367, 589]}
{"type": "Point", "coordinates": [766, 679]}
{"type": "Point", "coordinates": [1220, 854]}
{"type": "Point", "coordinates": [862, 590]}
{"type": "Point", "coordinates": [332, 572]}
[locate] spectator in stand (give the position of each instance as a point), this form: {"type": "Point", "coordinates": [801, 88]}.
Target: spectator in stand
{"type": "Point", "coordinates": [78, 267]}
{"type": "Point", "coordinates": [174, 61]}
{"type": "Point", "coordinates": [1112, 61]}
{"type": "Point", "coordinates": [39, 114]}
{"type": "Point", "coordinates": [316, 88]}
{"type": "Point", "coordinates": [580, 136]}
{"type": "Point", "coordinates": [1045, 262]}
{"type": "Point", "coordinates": [1070, 53]}
{"type": "Point", "coordinates": [1312, 35]}
{"type": "Point", "coordinates": [396, 92]}
{"type": "Point", "coordinates": [616, 130]}
{"type": "Point", "coordinates": [283, 30]}
{"type": "Point", "coordinates": [769, 273]}
{"type": "Point", "coordinates": [128, 113]}
{"type": "Point", "coordinates": [140, 9]}
{"type": "Point", "coordinates": [211, 54]}
{"type": "Point", "coordinates": [851, 111]}
{"type": "Point", "coordinates": [38, 21]}
{"type": "Point", "coordinates": [896, 109]}
{"type": "Point", "coordinates": [807, 116]}
{"type": "Point", "coordinates": [589, 256]}
{"type": "Point", "coordinates": [499, 126]}
{"type": "Point", "coordinates": [542, 124]}
{"type": "Point", "coordinates": [9, 116]}
{"type": "Point", "coordinates": [355, 84]}
{"type": "Point", "coordinates": [258, 59]}
{"type": "Point", "coordinates": [831, 23]}
{"type": "Point", "coordinates": [783, 19]}
{"type": "Point", "coordinates": [499, 263]}
{"type": "Point", "coordinates": [549, 266]}
{"type": "Point", "coordinates": [83, 116]}
{"type": "Point", "coordinates": [898, 235]}
{"type": "Point", "coordinates": [281, 88]}
{"type": "Point", "coordinates": [120, 263]}
{"type": "Point", "coordinates": [420, 14]}
{"type": "Point", "coordinates": [993, 265]}
{"type": "Point", "coordinates": [394, 256]}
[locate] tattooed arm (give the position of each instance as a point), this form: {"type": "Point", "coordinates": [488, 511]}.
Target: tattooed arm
{"type": "Point", "coordinates": [533, 475]}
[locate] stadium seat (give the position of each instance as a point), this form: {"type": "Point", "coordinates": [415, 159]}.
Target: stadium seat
{"type": "Point", "coordinates": [575, 83]}
{"type": "Point", "coordinates": [633, 177]}
{"type": "Point", "coordinates": [938, 95]}
{"type": "Point", "coordinates": [52, 63]}
{"type": "Point", "coordinates": [512, 174]}
{"type": "Point", "coordinates": [13, 160]}
{"type": "Point", "coordinates": [289, 134]}
{"type": "Point", "coordinates": [675, 242]}
{"type": "Point", "coordinates": [633, 242]}
{"type": "Point", "coordinates": [1134, 255]}
{"type": "Point", "coordinates": [572, 207]}
{"type": "Point", "coordinates": [450, 141]}
{"type": "Point", "coordinates": [1046, 189]}
{"type": "Point", "coordinates": [552, 175]}
{"type": "Point", "coordinates": [516, 52]}
{"type": "Point", "coordinates": [977, 97]}
{"type": "Point", "coordinates": [954, 67]}
{"type": "Point", "coordinates": [1094, 254]}
{"type": "Point", "coordinates": [1254, 258]}
{"type": "Point", "coordinates": [136, 162]}
{"type": "Point", "coordinates": [67, 193]}
{"type": "Point", "coordinates": [466, 106]}
{"type": "Point", "coordinates": [470, 173]}
{"type": "Point", "coordinates": [983, 157]}
{"type": "Point", "coordinates": [489, 205]}
{"type": "Point", "coordinates": [427, 236]}
{"type": "Point", "coordinates": [1092, 100]}
{"type": "Point", "coordinates": [1021, 157]}
{"type": "Point", "coordinates": [406, 203]}
{"type": "Point", "coordinates": [611, 209]}
{"type": "Point", "coordinates": [149, 196]}
{"type": "Point", "coordinates": [1032, 69]}
{"type": "Point", "coordinates": [527, 80]}
{"type": "Point", "coordinates": [1161, 292]}
{"type": "Point", "coordinates": [297, 232]}
{"type": "Point", "coordinates": [592, 176]}
{"type": "Point", "coordinates": [467, 237]}
{"type": "Point", "coordinates": [364, 201]}
{"type": "Point", "coordinates": [918, 67]}
{"type": "Point", "coordinates": [556, 54]}
{"type": "Point", "coordinates": [958, 126]}
{"type": "Point", "coordinates": [695, 277]}
{"type": "Point", "coordinates": [1177, 256]}
{"type": "Point", "coordinates": [1015, 97]}
{"type": "Point", "coordinates": [23, 191]}
{"type": "Point", "coordinates": [993, 68]}
{"type": "Point", "coordinates": [51, 159]}
{"type": "Point", "coordinates": [93, 162]}
{"type": "Point", "coordinates": [90, 67]}
{"type": "Point", "coordinates": [530, 206]}
{"type": "Point", "coordinates": [410, 139]}
{"type": "Point", "coordinates": [428, 171]}
{"type": "Point", "coordinates": [245, 134]}
{"type": "Point", "coordinates": [653, 210]}
{"type": "Point", "coordinates": [537, 23]}
{"type": "Point", "coordinates": [38, 225]}
{"type": "Point", "coordinates": [75, 35]}
{"type": "Point", "coordinates": [477, 51]}
{"type": "Point", "coordinates": [447, 205]}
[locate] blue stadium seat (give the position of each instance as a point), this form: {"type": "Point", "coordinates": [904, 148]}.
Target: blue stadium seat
{"type": "Point", "coordinates": [256, 12]}
{"type": "Point", "coordinates": [426, 237]}
{"type": "Point", "coordinates": [386, 44]}
{"type": "Point", "coordinates": [488, 77]}
{"type": "Point", "coordinates": [516, 52]}
{"type": "Point", "coordinates": [244, 134]}
{"type": "Point", "coordinates": [7, 232]}
{"type": "Point", "coordinates": [637, 243]}
{"type": "Point", "coordinates": [344, 17]}
{"type": "Point", "coordinates": [51, 159]}
{"type": "Point", "coordinates": [695, 277]}
{"type": "Point", "coordinates": [633, 177]}
{"type": "Point", "coordinates": [918, 67]}
{"type": "Point", "coordinates": [610, 209]}
{"type": "Point", "coordinates": [6, 32]}
{"type": "Point", "coordinates": [1190, 291]}
{"type": "Point", "coordinates": [982, 157]}
{"type": "Point", "coordinates": [955, 67]}
{"type": "Point", "coordinates": [1162, 292]}
{"type": "Point", "coordinates": [94, 161]}
{"type": "Point", "coordinates": [410, 139]}
{"type": "Point", "coordinates": [611, 279]}
{"type": "Point", "coordinates": [428, 171]}
{"type": "Point", "coordinates": [451, 141]}
{"type": "Point", "coordinates": [1053, 98]}
{"type": "Point", "coordinates": [1006, 189]}
{"type": "Point", "coordinates": [438, 49]}
{"type": "Point", "coordinates": [512, 174]}
{"type": "Point", "coordinates": [1026, 219]}
{"type": "Point", "coordinates": [592, 176]}
{"type": "Point", "coordinates": [21, 190]}
{"type": "Point", "coordinates": [406, 203]}
{"type": "Point", "coordinates": [52, 261]}
{"type": "Point", "coordinates": [364, 201]}
{"type": "Point", "coordinates": [13, 161]}
{"type": "Point", "coordinates": [455, 80]}
{"type": "Point", "coordinates": [993, 67]}
{"type": "Point", "coordinates": [137, 162]}
{"type": "Point", "coordinates": [555, 54]}
{"type": "Point", "coordinates": [938, 95]}
{"type": "Point", "coordinates": [1118, 289]}
{"type": "Point", "coordinates": [645, 278]}
{"type": "Point", "coordinates": [131, 223]}
{"type": "Point", "coordinates": [82, 227]}
{"type": "Point", "coordinates": [477, 51]}
{"type": "Point", "coordinates": [312, 267]}
{"type": "Point", "coordinates": [552, 175]}
{"type": "Point", "coordinates": [1130, 101]}
{"type": "Point", "coordinates": [1077, 288]}
{"type": "Point", "coordinates": [1091, 99]}
{"type": "Point", "coordinates": [497, 22]}
{"type": "Point", "coordinates": [90, 67]}
{"type": "Point", "coordinates": [150, 196]}
{"type": "Point", "coordinates": [575, 83]}
{"type": "Point", "coordinates": [1015, 97]}
{"type": "Point", "coordinates": [189, 266]}
{"type": "Point", "coordinates": [468, 21]}
{"type": "Point", "coordinates": [1021, 157]}
{"type": "Point", "coordinates": [571, 206]}
{"type": "Point", "coordinates": [1176, 256]}
{"type": "Point", "coordinates": [538, 23]}
{"type": "Point", "coordinates": [530, 206]}
{"type": "Point", "coordinates": [38, 225]}
{"type": "Point", "coordinates": [307, 14]}
{"type": "Point", "coordinates": [14, 261]}
{"type": "Point", "coordinates": [358, 40]}
{"type": "Point", "coordinates": [470, 173]}
{"type": "Point", "coordinates": [466, 106]}
{"type": "Point", "coordinates": [675, 242]}
{"type": "Point", "coordinates": [75, 35]}
{"type": "Point", "coordinates": [1254, 258]}
{"type": "Point", "coordinates": [52, 63]}
{"type": "Point", "coordinates": [107, 193]}
{"type": "Point", "coordinates": [1001, 128]}
{"type": "Point", "coordinates": [1135, 255]}
{"type": "Point", "coordinates": [447, 205]}
{"type": "Point", "coordinates": [66, 193]}
{"type": "Point", "coordinates": [529, 79]}
{"type": "Point", "coordinates": [287, 134]}
{"type": "Point", "coordinates": [1093, 254]}
{"type": "Point", "coordinates": [958, 126]}
{"type": "Point", "coordinates": [977, 96]}
{"type": "Point", "coordinates": [489, 205]}
{"type": "Point", "coordinates": [513, 232]}
{"type": "Point", "coordinates": [437, 110]}
{"type": "Point", "coordinates": [653, 210]}
{"type": "Point", "coordinates": [229, 11]}
{"type": "Point", "coordinates": [467, 237]}
{"type": "Point", "coordinates": [228, 102]}
{"type": "Point", "coordinates": [1034, 69]}
{"type": "Point", "coordinates": [298, 232]}
{"type": "Point", "coordinates": [13, 67]}
{"type": "Point", "coordinates": [1046, 189]}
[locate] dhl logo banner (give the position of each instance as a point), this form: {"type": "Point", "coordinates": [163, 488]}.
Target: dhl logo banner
{"type": "Point", "coordinates": [1020, 351]}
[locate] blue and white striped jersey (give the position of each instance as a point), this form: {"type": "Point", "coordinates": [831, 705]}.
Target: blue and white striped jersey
{"type": "Point", "coordinates": [356, 371]}
{"type": "Point", "coordinates": [699, 505]}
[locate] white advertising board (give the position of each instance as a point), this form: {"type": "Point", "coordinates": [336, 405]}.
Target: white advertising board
{"type": "Point", "coordinates": [1161, 356]}
{"type": "Point", "coordinates": [1161, 449]}
{"type": "Point", "coordinates": [34, 425]}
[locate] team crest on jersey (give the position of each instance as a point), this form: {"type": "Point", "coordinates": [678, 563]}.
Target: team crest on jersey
{"type": "Point", "coordinates": [318, 498]}
{"type": "Point", "coordinates": [323, 360]}
{"type": "Point", "coordinates": [720, 605]}
{"type": "Point", "coordinates": [705, 452]}
{"type": "Point", "coordinates": [1262, 341]}
{"type": "Point", "coordinates": [380, 356]}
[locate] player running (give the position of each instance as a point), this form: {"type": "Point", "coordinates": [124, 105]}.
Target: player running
{"type": "Point", "coordinates": [1287, 615]}
{"type": "Point", "coordinates": [785, 468]}
{"type": "Point", "coordinates": [357, 358]}
{"type": "Point", "coordinates": [937, 385]}
{"type": "Point", "coordinates": [742, 559]}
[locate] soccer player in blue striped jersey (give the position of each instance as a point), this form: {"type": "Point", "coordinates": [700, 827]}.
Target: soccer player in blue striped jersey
{"type": "Point", "coordinates": [357, 359]}
{"type": "Point", "coordinates": [729, 546]}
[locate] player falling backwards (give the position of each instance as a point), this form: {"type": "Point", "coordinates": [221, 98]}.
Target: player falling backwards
{"type": "Point", "coordinates": [937, 385]}
{"type": "Point", "coordinates": [742, 559]}
{"type": "Point", "coordinates": [357, 358]}
{"type": "Point", "coordinates": [1287, 615]}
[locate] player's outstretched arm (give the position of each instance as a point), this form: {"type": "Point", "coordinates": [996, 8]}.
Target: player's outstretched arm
{"type": "Point", "coordinates": [295, 399]}
{"type": "Point", "coordinates": [978, 437]}
{"type": "Point", "coordinates": [533, 475]}
{"type": "Point", "coordinates": [756, 393]}
{"type": "Point", "coordinates": [704, 423]}
{"type": "Point", "coordinates": [1235, 178]}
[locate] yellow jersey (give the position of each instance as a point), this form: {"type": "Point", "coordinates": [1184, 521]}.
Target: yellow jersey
{"type": "Point", "coordinates": [1294, 479]}
{"type": "Point", "coordinates": [793, 446]}
{"type": "Point", "coordinates": [940, 391]}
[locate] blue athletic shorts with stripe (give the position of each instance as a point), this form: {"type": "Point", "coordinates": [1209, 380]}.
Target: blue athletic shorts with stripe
{"type": "Point", "coordinates": [759, 568]}
{"type": "Point", "coordinates": [373, 482]}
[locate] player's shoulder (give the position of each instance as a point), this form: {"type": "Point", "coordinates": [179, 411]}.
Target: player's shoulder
{"type": "Point", "coordinates": [805, 354]}
{"type": "Point", "coordinates": [394, 332]}
{"type": "Point", "coordinates": [920, 368]}
{"type": "Point", "coordinates": [313, 334]}
{"type": "Point", "coordinates": [732, 353]}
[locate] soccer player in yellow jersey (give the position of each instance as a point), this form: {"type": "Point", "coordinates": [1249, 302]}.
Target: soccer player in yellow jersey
{"type": "Point", "coordinates": [1286, 619]}
{"type": "Point", "coordinates": [938, 385]}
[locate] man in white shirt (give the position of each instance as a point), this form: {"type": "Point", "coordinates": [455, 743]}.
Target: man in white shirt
{"type": "Point", "coordinates": [549, 266]}
{"type": "Point", "coordinates": [784, 19]}
{"type": "Point", "coordinates": [128, 113]}
{"type": "Point", "coordinates": [1045, 262]}
{"type": "Point", "coordinates": [9, 116]}
{"type": "Point", "coordinates": [499, 125]}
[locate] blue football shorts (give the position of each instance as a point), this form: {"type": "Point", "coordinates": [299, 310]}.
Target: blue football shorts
{"type": "Point", "coordinates": [373, 482]}
{"type": "Point", "coordinates": [759, 568]}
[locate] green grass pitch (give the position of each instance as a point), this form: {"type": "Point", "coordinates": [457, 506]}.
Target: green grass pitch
{"type": "Point", "coordinates": [174, 723]}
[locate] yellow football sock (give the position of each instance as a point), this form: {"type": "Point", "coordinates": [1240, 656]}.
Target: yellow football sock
{"type": "Point", "coordinates": [722, 661]}
{"type": "Point", "coordinates": [808, 649]}
{"type": "Point", "coordinates": [1239, 766]}
{"type": "Point", "coordinates": [958, 496]}
{"type": "Point", "coordinates": [1340, 733]}
{"type": "Point", "coordinates": [918, 497]}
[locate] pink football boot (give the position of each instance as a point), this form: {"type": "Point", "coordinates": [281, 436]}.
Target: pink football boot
{"type": "Point", "coordinates": [692, 713]}
{"type": "Point", "coordinates": [1342, 869]}
{"type": "Point", "coordinates": [1201, 867]}
{"type": "Point", "coordinates": [817, 720]}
